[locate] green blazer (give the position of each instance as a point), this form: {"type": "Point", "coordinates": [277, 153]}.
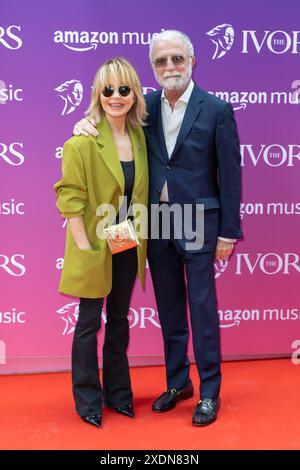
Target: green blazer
{"type": "Point", "coordinates": [92, 175]}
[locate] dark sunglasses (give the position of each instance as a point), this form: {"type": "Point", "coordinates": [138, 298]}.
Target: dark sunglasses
{"type": "Point", "coordinates": [123, 90]}
{"type": "Point", "coordinates": [162, 62]}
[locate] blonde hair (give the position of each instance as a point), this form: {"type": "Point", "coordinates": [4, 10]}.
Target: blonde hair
{"type": "Point", "coordinates": [121, 71]}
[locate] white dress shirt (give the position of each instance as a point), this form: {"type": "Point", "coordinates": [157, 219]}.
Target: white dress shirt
{"type": "Point", "coordinates": [171, 122]}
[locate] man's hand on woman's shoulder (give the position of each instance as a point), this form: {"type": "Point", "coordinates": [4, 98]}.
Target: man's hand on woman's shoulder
{"type": "Point", "coordinates": [86, 126]}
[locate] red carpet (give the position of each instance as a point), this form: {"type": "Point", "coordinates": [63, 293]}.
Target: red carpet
{"type": "Point", "coordinates": [260, 410]}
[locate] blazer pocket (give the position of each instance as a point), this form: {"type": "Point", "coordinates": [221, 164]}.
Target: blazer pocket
{"type": "Point", "coordinates": [86, 273]}
{"type": "Point", "coordinates": [200, 131]}
{"type": "Point", "coordinates": [85, 251]}
{"type": "Point", "coordinates": [209, 202]}
{"type": "Point", "coordinates": [87, 262]}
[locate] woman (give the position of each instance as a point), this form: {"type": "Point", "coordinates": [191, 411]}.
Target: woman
{"type": "Point", "coordinates": [95, 172]}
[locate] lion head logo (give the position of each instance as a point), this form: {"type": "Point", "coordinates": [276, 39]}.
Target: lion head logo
{"type": "Point", "coordinates": [220, 266]}
{"type": "Point", "coordinates": [69, 314]}
{"type": "Point", "coordinates": [222, 36]}
{"type": "Point", "coordinates": [71, 92]}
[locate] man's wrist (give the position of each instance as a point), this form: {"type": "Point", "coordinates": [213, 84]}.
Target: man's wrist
{"type": "Point", "coordinates": [228, 240]}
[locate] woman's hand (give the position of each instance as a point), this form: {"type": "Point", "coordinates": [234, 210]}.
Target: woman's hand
{"type": "Point", "coordinates": [78, 232]}
{"type": "Point", "coordinates": [85, 247]}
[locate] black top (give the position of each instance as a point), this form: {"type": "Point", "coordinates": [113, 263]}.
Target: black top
{"type": "Point", "coordinates": [128, 170]}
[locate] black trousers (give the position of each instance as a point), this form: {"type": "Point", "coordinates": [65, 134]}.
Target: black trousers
{"type": "Point", "coordinates": [87, 390]}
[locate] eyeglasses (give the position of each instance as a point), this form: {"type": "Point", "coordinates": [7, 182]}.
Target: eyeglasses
{"type": "Point", "coordinates": [123, 90]}
{"type": "Point", "coordinates": [162, 62]}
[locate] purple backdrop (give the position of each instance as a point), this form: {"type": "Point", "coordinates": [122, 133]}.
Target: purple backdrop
{"type": "Point", "coordinates": [49, 52]}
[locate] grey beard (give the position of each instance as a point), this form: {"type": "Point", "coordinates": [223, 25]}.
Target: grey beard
{"type": "Point", "coordinates": [175, 84]}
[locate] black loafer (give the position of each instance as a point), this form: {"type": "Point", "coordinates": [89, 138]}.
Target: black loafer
{"type": "Point", "coordinates": [206, 412]}
{"type": "Point", "coordinates": [95, 420]}
{"type": "Point", "coordinates": [126, 410]}
{"type": "Point", "coordinates": [167, 400]}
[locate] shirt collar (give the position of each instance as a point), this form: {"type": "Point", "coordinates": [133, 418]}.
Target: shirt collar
{"type": "Point", "coordinates": [184, 97]}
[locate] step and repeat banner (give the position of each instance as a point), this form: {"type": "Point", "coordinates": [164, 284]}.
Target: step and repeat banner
{"type": "Point", "coordinates": [247, 54]}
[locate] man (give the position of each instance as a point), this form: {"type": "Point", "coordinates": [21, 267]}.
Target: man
{"type": "Point", "coordinates": [193, 151]}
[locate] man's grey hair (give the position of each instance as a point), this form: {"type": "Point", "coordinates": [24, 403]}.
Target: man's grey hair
{"type": "Point", "coordinates": [168, 35]}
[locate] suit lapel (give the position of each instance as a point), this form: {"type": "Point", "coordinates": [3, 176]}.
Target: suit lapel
{"type": "Point", "coordinates": [157, 126]}
{"type": "Point", "coordinates": [161, 136]}
{"type": "Point", "coordinates": [109, 153]}
{"type": "Point", "coordinates": [192, 111]}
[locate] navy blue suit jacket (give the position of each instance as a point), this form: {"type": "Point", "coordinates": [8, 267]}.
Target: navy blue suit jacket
{"type": "Point", "coordinates": [204, 167]}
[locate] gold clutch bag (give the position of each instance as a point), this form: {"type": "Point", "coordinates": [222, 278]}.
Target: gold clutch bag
{"type": "Point", "coordinates": [121, 237]}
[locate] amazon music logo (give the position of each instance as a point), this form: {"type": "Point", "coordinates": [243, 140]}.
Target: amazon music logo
{"type": "Point", "coordinates": [12, 317]}
{"type": "Point", "coordinates": [277, 208]}
{"type": "Point", "coordinates": [10, 93]}
{"type": "Point", "coordinates": [83, 41]}
{"type": "Point", "coordinates": [230, 318]}
{"type": "Point", "coordinates": [241, 99]}
{"type": "Point", "coordinates": [12, 207]}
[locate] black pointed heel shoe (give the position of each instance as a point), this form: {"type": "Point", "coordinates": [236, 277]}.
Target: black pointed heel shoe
{"type": "Point", "coordinates": [126, 410]}
{"type": "Point", "coordinates": [95, 420]}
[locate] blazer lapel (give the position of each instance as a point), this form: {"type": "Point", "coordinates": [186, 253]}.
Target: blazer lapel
{"type": "Point", "coordinates": [162, 140]}
{"type": "Point", "coordinates": [109, 153]}
{"type": "Point", "coordinates": [192, 111]}
{"type": "Point", "coordinates": [157, 125]}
